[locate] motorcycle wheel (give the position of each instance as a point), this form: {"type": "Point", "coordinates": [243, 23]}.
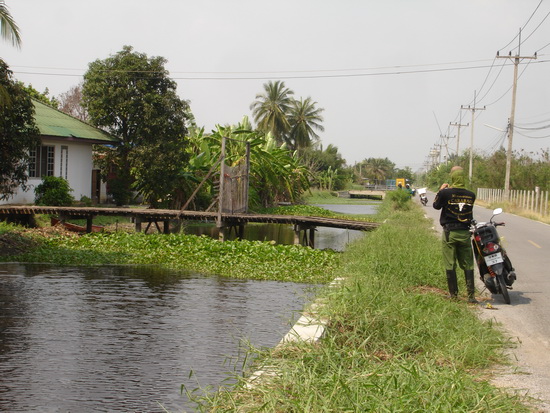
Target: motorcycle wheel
{"type": "Point", "coordinates": [503, 289]}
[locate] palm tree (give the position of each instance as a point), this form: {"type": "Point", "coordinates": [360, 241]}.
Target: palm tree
{"type": "Point", "coordinates": [378, 169]}
{"type": "Point", "coordinates": [271, 108]}
{"type": "Point", "coordinates": [8, 29]}
{"type": "Point", "coordinates": [10, 32]}
{"type": "Point", "coordinates": [304, 119]}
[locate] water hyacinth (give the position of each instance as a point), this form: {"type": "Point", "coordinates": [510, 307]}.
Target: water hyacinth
{"type": "Point", "coordinates": [259, 260]}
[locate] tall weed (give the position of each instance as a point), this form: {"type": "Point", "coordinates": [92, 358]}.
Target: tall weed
{"type": "Point", "coordinates": [393, 341]}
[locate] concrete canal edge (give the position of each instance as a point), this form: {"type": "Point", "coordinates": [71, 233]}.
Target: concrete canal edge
{"type": "Point", "coordinates": [309, 328]}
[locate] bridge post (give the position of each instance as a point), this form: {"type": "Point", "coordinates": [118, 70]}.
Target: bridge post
{"type": "Point", "coordinates": [89, 223]}
{"type": "Point", "coordinates": [138, 223]}
{"type": "Point", "coordinates": [225, 231]}
{"type": "Point", "coordinates": [302, 237]}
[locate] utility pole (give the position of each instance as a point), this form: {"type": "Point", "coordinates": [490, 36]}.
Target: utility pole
{"type": "Point", "coordinates": [473, 109]}
{"type": "Point", "coordinates": [458, 125]}
{"type": "Point", "coordinates": [516, 59]}
{"type": "Point", "coordinates": [445, 142]}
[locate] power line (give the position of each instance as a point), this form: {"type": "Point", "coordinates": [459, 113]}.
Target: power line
{"type": "Point", "coordinates": [536, 28]}
{"type": "Point", "coordinates": [523, 27]}
{"type": "Point", "coordinates": [494, 81]}
{"type": "Point", "coordinates": [510, 88]}
{"type": "Point", "coordinates": [281, 71]}
{"type": "Point", "coordinates": [343, 75]}
{"type": "Point", "coordinates": [533, 137]}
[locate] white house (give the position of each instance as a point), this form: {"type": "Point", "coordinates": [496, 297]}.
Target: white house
{"type": "Point", "coordinates": [66, 151]}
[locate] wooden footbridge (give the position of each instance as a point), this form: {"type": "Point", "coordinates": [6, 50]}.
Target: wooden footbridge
{"type": "Point", "coordinates": [304, 226]}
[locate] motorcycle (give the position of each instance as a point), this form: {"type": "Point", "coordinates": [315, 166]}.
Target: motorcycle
{"type": "Point", "coordinates": [423, 197]}
{"type": "Point", "coordinates": [495, 268]}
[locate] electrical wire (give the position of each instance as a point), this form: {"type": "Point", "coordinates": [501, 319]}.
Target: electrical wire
{"type": "Point", "coordinates": [540, 128]}
{"type": "Point", "coordinates": [510, 88]}
{"type": "Point", "coordinates": [494, 81]}
{"type": "Point", "coordinates": [523, 27]}
{"type": "Point", "coordinates": [536, 28]}
{"type": "Point", "coordinates": [532, 137]}
{"type": "Point", "coordinates": [543, 47]}
{"type": "Point", "coordinates": [342, 75]}
{"type": "Point", "coordinates": [281, 71]}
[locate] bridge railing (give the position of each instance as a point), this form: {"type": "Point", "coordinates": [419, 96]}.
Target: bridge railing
{"type": "Point", "coordinates": [530, 200]}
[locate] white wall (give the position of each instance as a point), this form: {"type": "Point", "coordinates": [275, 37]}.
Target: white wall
{"type": "Point", "coordinates": [79, 172]}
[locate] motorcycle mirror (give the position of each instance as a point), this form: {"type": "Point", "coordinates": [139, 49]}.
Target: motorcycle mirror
{"type": "Point", "coordinates": [497, 211]}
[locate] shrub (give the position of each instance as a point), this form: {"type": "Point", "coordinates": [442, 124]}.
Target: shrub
{"type": "Point", "coordinates": [54, 191]}
{"type": "Point", "coordinates": [400, 199]}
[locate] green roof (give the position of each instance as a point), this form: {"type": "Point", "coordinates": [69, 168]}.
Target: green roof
{"type": "Point", "coordinates": [52, 122]}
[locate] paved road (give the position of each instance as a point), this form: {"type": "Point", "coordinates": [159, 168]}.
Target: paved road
{"type": "Point", "coordinates": [527, 318]}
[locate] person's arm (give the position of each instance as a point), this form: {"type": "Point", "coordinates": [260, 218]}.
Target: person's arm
{"type": "Point", "coordinates": [438, 201]}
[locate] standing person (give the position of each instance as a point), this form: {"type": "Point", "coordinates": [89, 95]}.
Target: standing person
{"type": "Point", "coordinates": [456, 204]}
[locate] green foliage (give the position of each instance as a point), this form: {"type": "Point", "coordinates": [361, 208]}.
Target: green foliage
{"type": "Point", "coordinates": [376, 169]}
{"type": "Point", "coordinates": [41, 96]}
{"type": "Point", "coordinates": [291, 122]}
{"type": "Point", "coordinates": [327, 168]}
{"type": "Point", "coordinates": [9, 29]}
{"type": "Point", "coordinates": [131, 96]}
{"type": "Point", "coordinates": [276, 174]}
{"type": "Point", "coordinates": [18, 133]}
{"type": "Point", "coordinates": [85, 201]}
{"type": "Point", "coordinates": [393, 342]}
{"type": "Point", "coordinates": [237, 259]}
{"type": "Point", "coordinates": [304, 119]}
{"type": "Point", "coordinates": [399, 200]}
{"type": "Point", "coordinates": [53, 191]}
{"type": "Point", "coordinates": [528, 169]}
{"type": "Point", "coordinates": [270, 110]}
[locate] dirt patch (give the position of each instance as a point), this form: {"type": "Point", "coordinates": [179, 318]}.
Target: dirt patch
{"type": "Point", "coordinates": [20, 242]}
{"type": "Point", "coordinates": [15, 244]}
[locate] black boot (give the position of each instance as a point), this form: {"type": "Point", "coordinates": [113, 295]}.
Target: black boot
{"type": "Point", "coordinates": [452, 283]}
{"type": "Point", "coordinates": [470, 286]}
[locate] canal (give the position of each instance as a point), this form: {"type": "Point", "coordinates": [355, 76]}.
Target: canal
{"type": "Point", "coordinates": [125, 338]}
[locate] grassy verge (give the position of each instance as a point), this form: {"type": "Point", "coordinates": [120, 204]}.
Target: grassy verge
{"type": "Point", "coordinates": [516, 210]}
{"type": "Point", "coordinates": [393, 343]}
{"type": "Point", "coordinates": [316, 196]}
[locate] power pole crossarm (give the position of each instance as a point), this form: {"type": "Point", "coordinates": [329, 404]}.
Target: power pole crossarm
{"type": "Point", "coordinates": [458, 125]}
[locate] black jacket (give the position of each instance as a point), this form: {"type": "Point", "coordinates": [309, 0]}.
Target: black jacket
{"type": "Point", "coordinates": [456, 205]}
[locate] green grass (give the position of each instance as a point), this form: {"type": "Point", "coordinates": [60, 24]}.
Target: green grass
{"type": "Point", "coordinates": [327, 197]}
{"type": "Point", "coordinates": [394, 343]}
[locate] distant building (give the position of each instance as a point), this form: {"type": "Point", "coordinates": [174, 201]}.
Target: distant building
{"type": "Point", "coordinates": [66, 151]}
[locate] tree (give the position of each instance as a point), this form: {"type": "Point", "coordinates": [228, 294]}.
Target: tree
{"type": "Point", "coordinates": [10, 32]}
{"type": "Point", "coordinates": [41, 96]}
{"type": "Point", "coordinates": [8, 28]}
{"type": "Point", "coordinates": [405, 172]}
{"type": "Point", "coordinates": [323, 163]}
{"type": "Point", "coordinates": [304, 119]}
{"type": "Point", "coordinates": [70, 102]}
{"type": "Point", "coordinates": [271, 109]}
{"type": "Point", "coordinates": [131, 96]}
{"type": "Point", "coordinates": [378, 169]}
{"type": "Point", "coordinates": [18, 134]}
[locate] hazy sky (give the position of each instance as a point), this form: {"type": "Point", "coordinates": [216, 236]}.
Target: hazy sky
{"type": "Point", "coordinates": [386, 72]}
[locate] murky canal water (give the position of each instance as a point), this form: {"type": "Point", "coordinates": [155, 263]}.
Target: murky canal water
{"type": "Point", "coordinates": [124, 338]}
{"type": "Point", "coordinates": [325, 237]}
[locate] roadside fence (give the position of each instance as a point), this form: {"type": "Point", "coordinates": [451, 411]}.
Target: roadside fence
{"type": "Point", "coordinates": [534, 201]}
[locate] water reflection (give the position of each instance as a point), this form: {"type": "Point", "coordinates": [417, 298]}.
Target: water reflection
{"type": "Point", "coordinates": [125, 338]}
{"type": "Point", "coordinates": [325, 238]}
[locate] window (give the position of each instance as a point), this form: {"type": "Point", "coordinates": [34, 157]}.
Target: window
{"type": "Point", "coordinates": [41, 162]}
{"type": "Point", "coordinates": [64, 161]}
